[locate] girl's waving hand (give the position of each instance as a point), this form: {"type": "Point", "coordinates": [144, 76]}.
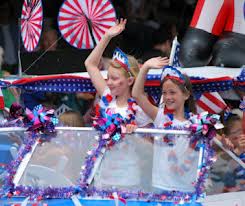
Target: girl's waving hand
{"type": "Point", "coordinates": [116, 29]}
{"type": "Point", "coordinates": [156, 63]}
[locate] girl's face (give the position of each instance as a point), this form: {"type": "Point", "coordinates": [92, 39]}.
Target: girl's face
{"type": "Point", "coordinates": [173, 97]}
{"type": "Point", "coordinates": [117, 82]}
{"type": "Point", "coordinates": [235, 131]}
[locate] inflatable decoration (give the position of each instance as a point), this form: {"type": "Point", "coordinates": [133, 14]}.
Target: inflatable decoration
{"type": "Point", "coordinates": [216, 35]}
{"type": "Point", "coordinates": [31, 23]}
{"type": "Point", "coordinates": [83, 23]}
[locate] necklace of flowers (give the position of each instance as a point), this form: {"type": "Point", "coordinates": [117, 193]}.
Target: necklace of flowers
{"type": "Point", "coordinates": [111, 127]}
{"type": "Point", "coordinates": [110, 124]}
{"type": "Point", "coordinates": [169, 138]}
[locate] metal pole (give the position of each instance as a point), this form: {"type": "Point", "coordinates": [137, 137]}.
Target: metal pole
{"type": "Point", "coordinates": [19, 58]}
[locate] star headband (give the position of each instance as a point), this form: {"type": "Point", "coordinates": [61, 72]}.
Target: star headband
{"type": "Point", "coordinates": [121, 58]}
{"type": "Point", "coordinates": [172, 73]}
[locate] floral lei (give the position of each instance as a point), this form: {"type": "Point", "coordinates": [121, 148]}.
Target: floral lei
{"type": "Point", "coordinates": [169, 138]}
{"type": "Point", "coordinates": [111, 124]}
{"type": "Point", "coordinates": [201, 124]}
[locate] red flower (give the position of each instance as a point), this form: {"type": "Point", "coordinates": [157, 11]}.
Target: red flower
{"type": "Point", "coordinates": [97, 110]}
{"type": "Point", "coordinates": [108, 98]}
{"type": "Point", "coordinates": [167, 124]}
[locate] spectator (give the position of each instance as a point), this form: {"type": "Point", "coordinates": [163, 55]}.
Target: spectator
{"type": "Point", "coordinates": [226, 175]}
{"type": "Point", "coordinates": [71, 119]}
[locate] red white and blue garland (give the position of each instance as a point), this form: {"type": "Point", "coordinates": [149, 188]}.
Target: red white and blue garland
{"type": "Point", "coordinates": [40, 122]}
{"type": "Point", "coordinates": [110, 126]}
{"type": "Point", "coordinates": [201, 135]}
{"type": "Point", "coordinates": [202, 123]}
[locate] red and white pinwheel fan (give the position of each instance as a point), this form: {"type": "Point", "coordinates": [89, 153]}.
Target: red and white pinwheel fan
{"type": "Point", "coordinates": [83, 22]}
{"type": "Point", "coordinates": [31, 23]}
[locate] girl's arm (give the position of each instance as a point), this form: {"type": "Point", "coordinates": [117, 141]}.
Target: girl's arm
{"type": "Point", "coordinates": [138, 89]}
{"type": "Point", "coordinates": [93, 60]}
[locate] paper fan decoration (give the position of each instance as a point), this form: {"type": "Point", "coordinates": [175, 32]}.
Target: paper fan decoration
{"type": "Point", "coordinates": [31, 23]}
{"type": "Point", "coordinates": [83, 22]}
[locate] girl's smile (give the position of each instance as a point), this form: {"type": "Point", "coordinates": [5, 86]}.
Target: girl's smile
{"type": "Point", "coordinates": [173, 97]}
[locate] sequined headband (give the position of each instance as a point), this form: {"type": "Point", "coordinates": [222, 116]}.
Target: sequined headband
{"type": "Point", "coordinates": [121, 58]}
{"type": "Point", "coordinates": [172, 73]}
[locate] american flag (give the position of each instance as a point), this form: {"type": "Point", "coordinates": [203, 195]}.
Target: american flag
{"type": "Point", "coordinates": [211, 102]}
{"type": "Point", "coordinates": [174, 55]}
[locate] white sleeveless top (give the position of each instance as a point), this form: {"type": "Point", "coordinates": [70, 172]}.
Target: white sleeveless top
{"type": "Point", "coordinates": [120, 164]}
{"type": "Point", "coordinates": [175, 166]}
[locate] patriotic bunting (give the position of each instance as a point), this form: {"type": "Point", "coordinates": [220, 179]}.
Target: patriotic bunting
{"type": "Point", "coordinates": [74, 83]}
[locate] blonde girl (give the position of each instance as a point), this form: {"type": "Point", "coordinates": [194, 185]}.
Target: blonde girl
{"type": "Point", "coordinates": [115, 93]}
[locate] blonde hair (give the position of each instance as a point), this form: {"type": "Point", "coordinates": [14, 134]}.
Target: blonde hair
{"type": "Point", "coordinates": [133, 63]}
{"type": "Point", "coordinates": [71, 119]}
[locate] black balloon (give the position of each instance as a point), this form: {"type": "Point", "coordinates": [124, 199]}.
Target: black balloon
{"type": "Point", "coordinates": [200, 48]}
{"type": "Point", "coordinates": [196, 48]}
{"type": "Point", "coordinates": [229, 50]}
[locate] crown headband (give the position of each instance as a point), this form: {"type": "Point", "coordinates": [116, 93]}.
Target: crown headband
{"type": "Point", "coordinates": [120, 57]}
{"type": "Point", "coordinates": [172, 73]}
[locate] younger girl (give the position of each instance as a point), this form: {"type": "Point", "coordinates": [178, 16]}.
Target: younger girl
{"type": "Point", "coordinates": [120, 164]}
{"type": "Point", "coordinates": [175, 163]}
{"type": "Point", "coordinates": [234, 132]}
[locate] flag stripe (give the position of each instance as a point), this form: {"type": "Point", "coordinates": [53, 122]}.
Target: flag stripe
{"type": "Point", "coordinates": [216, 99]}
{"type": "Point", "coordinates": [197, 13]}
{"type": "Point", "coordinates": [211, 102]}
{"type": "Point", "coordinates": [220, 20]}
{"type": "Point", "coordinates": [204, 107]}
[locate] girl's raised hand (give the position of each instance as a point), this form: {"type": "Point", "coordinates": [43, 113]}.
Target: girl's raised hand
{"type": "Point", "coordinates": [156, 62]}
{"type": "Point", "coordinates": [116, 29]}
